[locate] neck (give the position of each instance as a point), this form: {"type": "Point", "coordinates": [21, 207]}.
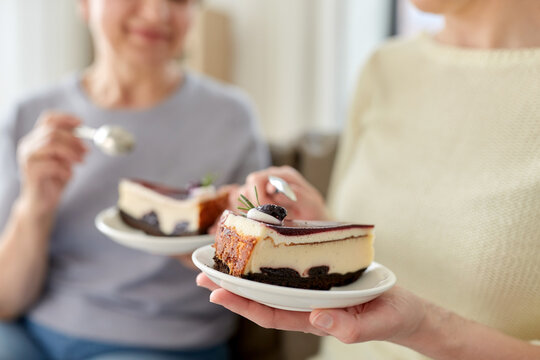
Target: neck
{"type": "Point", "coordinates": [491, 24]}
{"type": "Point", "coordinates": [117, 85]}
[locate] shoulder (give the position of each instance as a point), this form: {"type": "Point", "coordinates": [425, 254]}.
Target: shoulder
{"type": "Point", "coordinates": [398, 46]}
{"type": "Point", "coordinates": [394, 61]}
{"type": "Point", "coordinates": [49, 96]}
{"type": "Point", "coordinates": [394, 53]}
{"type": "Point", "coordinates": [225, 98]}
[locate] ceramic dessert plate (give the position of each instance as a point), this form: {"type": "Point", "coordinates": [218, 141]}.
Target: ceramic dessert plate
{"type": "Point", "coordinates": [376, 280]}
{"type": "Point", "coordinates": [109, 223]}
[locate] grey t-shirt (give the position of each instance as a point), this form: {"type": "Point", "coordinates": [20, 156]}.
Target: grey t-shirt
{"type": "Point", "coordinates": [96, 288]}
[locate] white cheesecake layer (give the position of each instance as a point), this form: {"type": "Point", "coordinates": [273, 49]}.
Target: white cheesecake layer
{"type": "Point", "coordinates": [341, 257]}
{"type": "Point", "coordinates": [137, 200]}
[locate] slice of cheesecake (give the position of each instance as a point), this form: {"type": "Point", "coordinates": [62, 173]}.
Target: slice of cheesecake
{"type": "Point", "coordinates": [301, 254]}
{"type": "Point", "coordinates": [163, 211]}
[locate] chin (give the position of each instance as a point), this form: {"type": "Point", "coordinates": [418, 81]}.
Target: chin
{"type": "Point", "coordinates": [149, 59]}
{"type": "Point", "coordinates": [438, 6]}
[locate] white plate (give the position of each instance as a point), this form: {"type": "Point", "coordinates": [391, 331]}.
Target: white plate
{"type": "Point", "coordinates": [375, 280]}
{"type": "Point", "coordinates": [109, 223]}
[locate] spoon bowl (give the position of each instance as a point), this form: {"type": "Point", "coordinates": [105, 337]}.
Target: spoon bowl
{"type": "Point", "coordinates": [112, 140]}
{"type": "Point", "coordinates": [282, 186]}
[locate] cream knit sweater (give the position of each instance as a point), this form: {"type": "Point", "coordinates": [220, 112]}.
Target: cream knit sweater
{"type": "Point", "coordinates": [442, 154]}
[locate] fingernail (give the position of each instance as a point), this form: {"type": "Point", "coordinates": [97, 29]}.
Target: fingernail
{"type": "Point", "coordinates": [212, 298]}
{"type": "Point", "coordinates": [324, 321]}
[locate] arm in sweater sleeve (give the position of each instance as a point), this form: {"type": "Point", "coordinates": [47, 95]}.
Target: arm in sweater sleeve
{"type": "Point", "coordinates": [23, 238]}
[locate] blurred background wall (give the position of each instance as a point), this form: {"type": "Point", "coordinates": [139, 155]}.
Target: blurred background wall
{"type": "Point", "coordinates": [297, 59]}
{"type": "Point", "coordinates": [40, 41]}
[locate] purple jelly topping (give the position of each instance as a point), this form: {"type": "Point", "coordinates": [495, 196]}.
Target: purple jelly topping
{"type": "Point", "coordinates": [301, 227]}
{"type": "Point", "coordinates": [175, 193]}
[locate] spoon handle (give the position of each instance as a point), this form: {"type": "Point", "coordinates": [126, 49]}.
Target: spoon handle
{"type": "Point", "coordinates": [84, 132]}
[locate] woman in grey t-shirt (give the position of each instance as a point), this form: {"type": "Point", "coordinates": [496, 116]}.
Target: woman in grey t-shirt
{"type": "Point", "coordinates": [79, 294]}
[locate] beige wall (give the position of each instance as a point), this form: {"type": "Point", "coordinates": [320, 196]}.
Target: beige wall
{"type": "Point", "coordinates": [271, 59]}
{"type": "Point", "coordinates": [298, 59]}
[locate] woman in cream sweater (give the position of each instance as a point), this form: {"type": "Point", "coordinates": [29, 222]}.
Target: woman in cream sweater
{"type": "Point", "coordinates": [442, 154]}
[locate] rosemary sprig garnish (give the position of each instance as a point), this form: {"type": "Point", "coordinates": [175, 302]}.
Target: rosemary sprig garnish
{"type": "Point", "coordinates": [246, 204]}
{"type": "Point", "coordinates": [257, 196]}
{"type": "Point", "coordinates": [245, 207]}
{"type": "Point", "coordinates": [208, 179]}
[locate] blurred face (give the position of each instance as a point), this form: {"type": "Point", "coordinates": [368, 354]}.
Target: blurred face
{"type": "Point", "coordinates": [143, 32]}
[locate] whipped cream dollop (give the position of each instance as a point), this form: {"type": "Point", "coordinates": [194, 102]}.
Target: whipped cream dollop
{"type": "Point", "coordinates": [258, 215]}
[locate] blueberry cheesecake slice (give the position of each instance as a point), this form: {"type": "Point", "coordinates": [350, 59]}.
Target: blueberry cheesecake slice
{"type": "Point", "coordinates": [160, 210]}
{"type": "Point", "coordinates": [262, 245]}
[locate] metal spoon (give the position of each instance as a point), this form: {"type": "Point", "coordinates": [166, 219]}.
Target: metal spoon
{"type": "Point", "coordinates": [112, 140]}
{"type": "Point", "coordinates": [282, 186]}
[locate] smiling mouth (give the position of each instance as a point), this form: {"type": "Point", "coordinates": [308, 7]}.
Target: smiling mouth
{"type": "Point", "coordinates": [150, 35]}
